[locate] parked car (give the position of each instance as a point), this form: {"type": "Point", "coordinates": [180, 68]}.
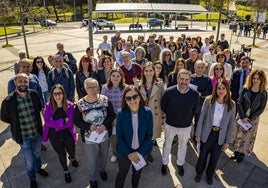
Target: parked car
{"type": "Point", "coordinates": [47, 23]}
{"type": "Point", "coordinates": [85, 22]}
{"type": "Point", "coordinates": [154, 22]}
{"type": "Point", "coordinates": [135, 26]}
{"type": "Point", "coordinates": [102, 23]}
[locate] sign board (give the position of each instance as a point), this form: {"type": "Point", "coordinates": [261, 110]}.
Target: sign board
{"type": "Point", "coordinates": [262, 17]}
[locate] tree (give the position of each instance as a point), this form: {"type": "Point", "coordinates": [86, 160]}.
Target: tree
{"type": "Point", "coordinates": [4, 12]}
{"type": "Point", "coordinates": [259, 6]}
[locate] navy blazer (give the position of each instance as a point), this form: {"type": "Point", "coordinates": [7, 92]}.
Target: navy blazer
{"type": "Point", "coordinates": [124, 131]}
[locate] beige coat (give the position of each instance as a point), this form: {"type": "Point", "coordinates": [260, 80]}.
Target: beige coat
{"type": "Point", "coordinates": [155, 105]}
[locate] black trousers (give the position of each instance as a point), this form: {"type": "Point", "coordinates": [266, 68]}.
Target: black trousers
{"type": "Point", "coordinates": [210, 147]}
{"type": "Point", "coordinates": [124, 164]}
{"type": "Point", "coordinates": [61, 142]}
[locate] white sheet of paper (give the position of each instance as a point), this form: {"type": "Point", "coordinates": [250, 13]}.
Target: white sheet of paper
{"type": "Point", "coordinates": [198, 147]}
{"type": "Point", "coordinates": [246, 126]}
{"type": "Point", "coordinates": [194, 87]}
{"type": "Point", "coordinates": [140, 164]}
{"type": "Point", "coordinates": [96, 137]}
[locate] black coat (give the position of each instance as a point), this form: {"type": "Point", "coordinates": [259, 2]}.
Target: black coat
{"type": "Point", "coordinates": [10, 114]}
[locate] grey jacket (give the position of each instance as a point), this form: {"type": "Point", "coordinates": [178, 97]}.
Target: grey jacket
{"type": "Point", "coordinates": [204, 125]}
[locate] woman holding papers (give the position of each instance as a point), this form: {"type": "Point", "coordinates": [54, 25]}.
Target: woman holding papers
{"type": "Point", "coordinates": [152, 90]}
{"type": "Point", "coordinates": [94, 115]}
{"type": "Point", "coordinates": [134, 131]}
{"type": "Point", "coordinates": [251, 105]}
{"type": "Point", "coordinates": [214, 129]}
{"type": "Point", "coordinates": [59, 127]}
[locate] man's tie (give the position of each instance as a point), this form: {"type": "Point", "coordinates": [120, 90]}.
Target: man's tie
{"type": "Point", "coordinates": [244, 76]}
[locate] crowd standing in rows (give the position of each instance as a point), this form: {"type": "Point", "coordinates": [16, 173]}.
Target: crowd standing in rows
{"type": "Point", "coordinates": [129, 94]}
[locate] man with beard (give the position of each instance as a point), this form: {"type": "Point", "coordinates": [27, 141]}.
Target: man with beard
{"type": "Point", "coordinates": [26, 67]}
{"type": "Point", "coordinates": [179, 103]}
{"type": "Point", "coordinates": [21, 109]}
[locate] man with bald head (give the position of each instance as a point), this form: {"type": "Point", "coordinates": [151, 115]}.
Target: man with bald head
{"type": "Point", "coordinates": [21, 109]}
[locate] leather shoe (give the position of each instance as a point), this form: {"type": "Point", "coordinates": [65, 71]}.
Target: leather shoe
{"type": "Point", "coordinates": [33, 184]}
{"type": "Point", "coordinates": [42, 173]}
{"type": "Point", "coordinates": [150, 158]}
{"type": "Point", "coordinates": [209, 181]}
{"type": "Point", "coordinates": [67, 177]}
{"type": "Point", "coordinates": [198, 178]}
{"type": "Point", "coordinates": [103, 176]}
{"type": "Point", "coordinates": [180, 170]}
{"type": "Point", "coordinates": [235, 155]}
{"type": "Point", "coordinates": [74, 163]}
{"type": "Point", "coordinates": [240, 157]}
{"type": "Point", "coordinates": [164, 169]}
{"type": "Point", "coordinates": [93, 184]}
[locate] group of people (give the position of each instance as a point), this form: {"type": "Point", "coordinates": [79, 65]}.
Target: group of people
{"type": "Point", "coordinates": [127, 96]}
{"type": "Point", "coordinates": [245, 28]}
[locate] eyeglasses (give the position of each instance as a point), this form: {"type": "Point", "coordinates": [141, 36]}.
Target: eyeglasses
{"type": "Point", "coordinates": [158, 67]}
{"type": "Point", "coordinates": [39, 61]}
{"type": "Point", "coordinates": [92, 87]}
{"type": "Point", "coordinates": [134, 97]}
{"type": "Point", "coordinates": [57, 93]}
{"type": "Point", "coordinates": [172, 45]}
{"type": "Point", "coordinates": [218, 68]}
{"type": "Point", "coordinates": [167, 54]}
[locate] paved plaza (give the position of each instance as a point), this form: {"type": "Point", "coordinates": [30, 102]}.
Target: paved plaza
{"type": "Point", "coordinates": [252, 172]}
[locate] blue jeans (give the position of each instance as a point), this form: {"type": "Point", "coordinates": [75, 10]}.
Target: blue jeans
{"type": "Point", "coordinates": [31, 149]}
{"type": "Point", "coordinates": [46, 96]}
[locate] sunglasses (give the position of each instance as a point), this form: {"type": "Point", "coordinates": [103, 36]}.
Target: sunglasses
{"type": "Point", "coordinates": [218, 68]}
{"type": "Point", "coordinates": [172, 45]}
{"type": "Point", "coordinates": [40, 61]}
{"type": "Point", "coordinates": [134, 97]}
{"type": "Point", "coordinates": [211, 49]}
{"type": "Point", "coordinates": [167, 54]}
{"type": "Point", "coordinates": [57, 93]}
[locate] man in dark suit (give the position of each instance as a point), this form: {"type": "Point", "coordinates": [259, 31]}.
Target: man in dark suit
{"type": "Point", "coordinates": [239, 77]}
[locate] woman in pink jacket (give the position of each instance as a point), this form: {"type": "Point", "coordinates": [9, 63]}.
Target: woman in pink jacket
{"type": "Point", "coordinates": [59, 128]}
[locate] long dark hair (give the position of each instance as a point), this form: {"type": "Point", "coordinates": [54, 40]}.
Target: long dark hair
{"type": "Point", "coordinates": [227, 98]}
{"type": "Point", "coordinates": [35, 69]}
{"type": "Point", "coordinates": [124, 103]}
{"type": "Point", "coordinates": [143, 78]}
{"type": "Point", "coordinates": [122, 84]}
{"type": "Point", "coordinates": [64, 100]}
{"type": "Point", "coordinates": [162, 73]}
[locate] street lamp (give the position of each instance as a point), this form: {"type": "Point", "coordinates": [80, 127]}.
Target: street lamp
{"type": "Point", "coordinates": [44, 2]}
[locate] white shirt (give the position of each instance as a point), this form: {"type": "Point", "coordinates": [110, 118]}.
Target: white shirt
{"type": "Point", "coordinates": [218, 114]}
{"type": "Point", "coordinates": [135, 125]}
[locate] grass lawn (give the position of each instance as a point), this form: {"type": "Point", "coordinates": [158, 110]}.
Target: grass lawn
{"type": "Point", "coordinates": [211, 16]}
{"type": "Point", "coordinates": [9, 31]}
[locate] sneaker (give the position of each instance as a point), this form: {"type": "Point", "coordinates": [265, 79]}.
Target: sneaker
{"type": "Point", "coordinates": [42, 173]}
{"type": "Point", "coordinates": [235, 155]}
{"type": "Point", "coordinates": [33, 184]}
{"type": "Point", "coordinates": [74, 163]}
{"type": "Point", "coordinates": [113, 158]}
{"type": "Point", "coordinates": [164, 169]}
{"type": "Point", "coordinates": [180, 170]}
{"type": "Point", "coordinates": [67, 177]}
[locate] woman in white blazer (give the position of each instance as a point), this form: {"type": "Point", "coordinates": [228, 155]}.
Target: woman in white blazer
{"type": "Point", "coordinates": [214, 129]}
